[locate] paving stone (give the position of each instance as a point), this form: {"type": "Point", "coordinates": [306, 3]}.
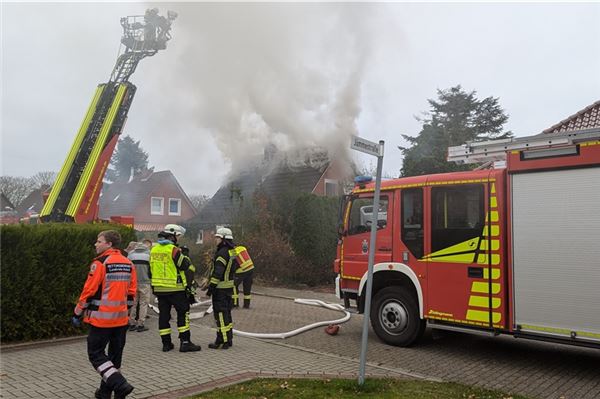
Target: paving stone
{"type": "Point", "coordinates": [536, 369]}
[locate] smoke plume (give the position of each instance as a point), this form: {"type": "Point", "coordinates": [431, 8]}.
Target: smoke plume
{"type": "Point", "coordinates": [287, 75]}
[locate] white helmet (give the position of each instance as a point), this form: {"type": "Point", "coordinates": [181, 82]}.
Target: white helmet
{"type": "Point", "coordinates": [174, 229]}
{"type": "Point", "coordinates": [225, 233]}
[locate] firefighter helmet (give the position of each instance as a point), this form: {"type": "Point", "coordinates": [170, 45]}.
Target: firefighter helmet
{"type": "Point", "coordinates": [224, 233]}
{"type": "Point", "coordinates": [174, 229]}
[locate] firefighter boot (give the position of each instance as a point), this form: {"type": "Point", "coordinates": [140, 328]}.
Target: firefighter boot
{"type": "Point", "coordinates": [246, 303]}
{"type": "Point", "coordinates": [167, 344]}
{"type": "Point", "coordinates": [123, 390]}
{"type": "Point", "coordinates": [104, 392]}
{"type": "Point", "coordinates": [220, 345]}
{"type": "Point", "coordinates": [189, 346]}
{"type": "Point", "coordinates": [119, 384]}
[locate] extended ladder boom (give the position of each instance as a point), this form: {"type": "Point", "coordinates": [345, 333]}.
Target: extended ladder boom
{"type": "Point", "coordinates": [496, 150]}
{"type": "Point", "coordinates": [74, 195]}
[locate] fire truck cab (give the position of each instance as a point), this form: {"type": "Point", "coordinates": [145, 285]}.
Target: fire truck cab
{"type": "Point", "coordinates": [513, 250]}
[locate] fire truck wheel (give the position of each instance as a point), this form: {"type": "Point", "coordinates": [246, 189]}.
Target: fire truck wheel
{"type": "Point", "coordinates": [395, 317]}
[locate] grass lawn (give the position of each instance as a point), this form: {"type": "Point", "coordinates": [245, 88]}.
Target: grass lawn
{"type": "Point", "coordinates": [340, 388]}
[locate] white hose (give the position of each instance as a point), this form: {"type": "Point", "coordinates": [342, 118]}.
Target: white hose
{"type": "Point", "coordinates": [314, 302]}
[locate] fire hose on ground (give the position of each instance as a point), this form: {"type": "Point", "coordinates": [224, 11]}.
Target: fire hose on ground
{"type": "Point", "coordinates": [283, 335]}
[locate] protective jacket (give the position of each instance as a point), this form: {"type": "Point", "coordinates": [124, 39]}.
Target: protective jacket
{"type": "Point", "coordinates": [108, 291]}
{"type": "Point", "coordinates": [245, 264]}
{"type": "Point", "coordinates": [223, 269]}
{"type": "Point", "coordinates": [168, 267]}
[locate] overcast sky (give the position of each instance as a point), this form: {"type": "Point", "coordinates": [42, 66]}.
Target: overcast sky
{"type": "Point", "coordinates": [236, 76]}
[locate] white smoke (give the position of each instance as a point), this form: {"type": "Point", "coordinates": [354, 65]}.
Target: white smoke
{"type": "Point", "coordinates": [282, 74]}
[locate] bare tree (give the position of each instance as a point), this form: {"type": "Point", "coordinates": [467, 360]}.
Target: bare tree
{"type": "Point", "coordinates": [45, 178]}
{"type": "Point", "coordinates": [16, 188]}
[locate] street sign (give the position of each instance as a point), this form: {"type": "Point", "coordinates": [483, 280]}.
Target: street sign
{"type": "Point", "coordinates": [366, 146]}
{"type": "Point", "coordinates": [375, 149]}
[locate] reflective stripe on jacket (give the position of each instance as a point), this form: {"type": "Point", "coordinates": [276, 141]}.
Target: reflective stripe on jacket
{"type": "Point", "coordinates": [166, 276]}
{"type": "Point", "coordinates": [108, 291]}
{"type": "Point", "coordinates": [223, 269]}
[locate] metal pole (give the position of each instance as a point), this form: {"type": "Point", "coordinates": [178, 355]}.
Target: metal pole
{"type": "Point", "coordinates": [372, 249]}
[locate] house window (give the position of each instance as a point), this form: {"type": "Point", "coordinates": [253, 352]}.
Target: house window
{"type": "Point", "coordinates": [200, 237]}
{"type": "Point", "coordinates": [175, 206]}
{"type": "Point", "coordinates": [331, 188]}
{"type": "Point", "coordinates": [157, 206]}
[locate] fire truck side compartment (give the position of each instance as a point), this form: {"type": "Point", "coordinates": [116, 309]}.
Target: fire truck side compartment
{"type": "Point", "coordinates": [556, 253]}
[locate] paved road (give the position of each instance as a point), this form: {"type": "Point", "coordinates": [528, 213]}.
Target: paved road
{"type": "Point", "coordinates": [537, 369]}
{"type": "Point", "coordinates": [540, 370]}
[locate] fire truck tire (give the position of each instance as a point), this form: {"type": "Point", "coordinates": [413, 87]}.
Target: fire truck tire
{"type": "Point", "coordinates": [395, 317]}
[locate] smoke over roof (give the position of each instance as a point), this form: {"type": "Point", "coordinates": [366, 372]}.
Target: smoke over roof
{"type": "Point", "coordinates": [287, 75]}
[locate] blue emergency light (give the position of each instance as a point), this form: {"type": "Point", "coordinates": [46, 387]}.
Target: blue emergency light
{"type": "Point", "coordinates": [361, 181]}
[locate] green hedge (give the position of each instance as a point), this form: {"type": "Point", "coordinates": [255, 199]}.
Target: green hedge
{"type": "Point", "coordinates": [43, 268]}
{"type": "Point", "coordinates": [314, 237]}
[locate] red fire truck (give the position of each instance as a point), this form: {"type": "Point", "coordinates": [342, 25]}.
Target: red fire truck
{"type": "Point", "coordinates": [510, 250]}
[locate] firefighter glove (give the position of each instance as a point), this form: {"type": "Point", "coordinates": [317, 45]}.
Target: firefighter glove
{"type": "Point", "coordinates": [76, 321]}
{"type": "Point", "coordinates": [190, 293]}
{"type": "Point", "coordinates": [210, 290]}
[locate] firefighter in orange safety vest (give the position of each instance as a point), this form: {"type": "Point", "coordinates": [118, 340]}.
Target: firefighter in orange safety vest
{"type": "Point", "coordinates": [108, 293]}
{"type": "Point", "coordinates": [243, 275]}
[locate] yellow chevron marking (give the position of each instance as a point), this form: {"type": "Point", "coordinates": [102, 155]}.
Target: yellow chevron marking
{"type": "Point", "coordinates": [495, 245]}
{"type": "Point", "coordinates": [493, 188]}
{"type": "Point", "coordinates": [482, 259]}
{"type": "Point", "coordinates": [481, 287]}
{"type": "Point", "coordinates": [493, 202]}
{"type": "Point", "coordinates": [469, 245]}
{"type": "Point", "coordinates": [484, 302]}
{"type": "Point", "coordinates": [495, 273]}
{"type": "Point", "coordinates": [479, 315]}
{"type": "Point", "coordinates": [494, 216]}
{"type": "Point", "coordinates": [495, 230]}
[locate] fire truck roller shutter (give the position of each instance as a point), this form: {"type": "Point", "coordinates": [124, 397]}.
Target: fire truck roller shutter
{"type": "Point", "coordinates": [556, 252]}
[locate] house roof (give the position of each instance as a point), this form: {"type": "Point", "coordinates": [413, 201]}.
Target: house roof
{"type": "Point", "coordinates": [228, 199]}
{"type": "Point", "coordinates": [288, 172]}
{"type": "Point", "coordinates": [34, 202]}
{"type": "Point", "coordinates": [5, 202]}
{"type": "Point", "coordinates": [587, 118]}
{"type": "Point", "coordinates": [123, 198]}
{"type": "Point", "coordinates": [303, 179]}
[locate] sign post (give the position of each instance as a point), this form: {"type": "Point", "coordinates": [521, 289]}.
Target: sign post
{"type": "Point", "coordinates": [368, 147]}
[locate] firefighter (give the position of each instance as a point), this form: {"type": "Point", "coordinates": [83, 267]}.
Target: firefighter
{"type": "Point", "coordinates": [108, 293]}
{"type": "Point", "coordinates": [244, 276]}
{"type": "Point", "coordinates": [169, 283]}
{"type": "Point", "coordinates": [221, 286]}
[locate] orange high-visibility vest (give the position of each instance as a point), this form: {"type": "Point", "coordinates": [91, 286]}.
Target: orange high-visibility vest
{"type": "Point", "coordinates": [243, 258]}
{"type": "Point", "coordinates": [108, 291]}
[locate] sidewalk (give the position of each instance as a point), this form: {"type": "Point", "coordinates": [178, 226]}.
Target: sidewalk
{"type": "Point", "coordinates": [62, 369]}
